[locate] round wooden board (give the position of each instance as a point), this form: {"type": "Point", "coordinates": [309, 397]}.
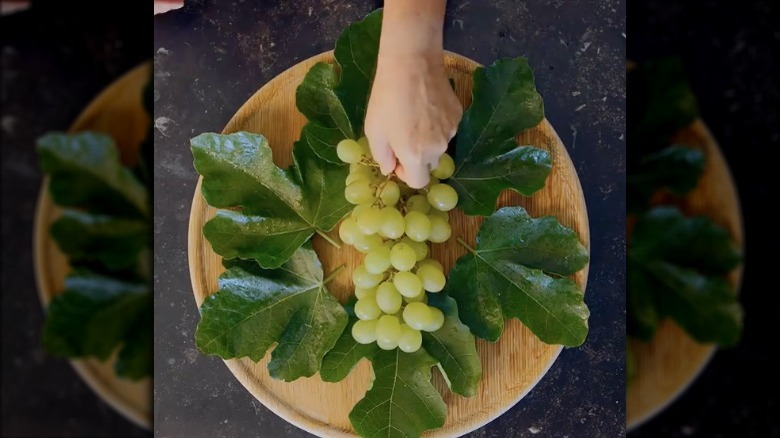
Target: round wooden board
{"type": "Point", "coordinates": [117, 111]}
{"type": "Point", "coordinates": [511, 367]}
{"type": "Point", "coordinates": [669, 363]}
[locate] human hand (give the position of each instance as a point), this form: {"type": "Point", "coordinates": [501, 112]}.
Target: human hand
{"type": "Point", "coordinates": [412, 112]}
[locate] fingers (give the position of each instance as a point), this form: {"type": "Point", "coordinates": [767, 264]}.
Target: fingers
{"type": "Point", "coordinates": [383, 155]}
{"type": "Point", "coordinates": [415, 177]}
{"type": "Point", "coordinates": [380, 148]}
{"type": "Point", "coordinates": [415, 163]}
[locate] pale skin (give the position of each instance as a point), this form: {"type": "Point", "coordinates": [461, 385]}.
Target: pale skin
{"type": "Point", "coordinates": [412, 112]}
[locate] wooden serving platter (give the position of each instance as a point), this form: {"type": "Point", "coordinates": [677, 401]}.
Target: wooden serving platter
{"type": "Point", "coordinates": [511, 367]}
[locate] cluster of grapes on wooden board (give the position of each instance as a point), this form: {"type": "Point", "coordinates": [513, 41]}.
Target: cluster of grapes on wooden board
{"type": "Point", "coordinates": [391, 224]}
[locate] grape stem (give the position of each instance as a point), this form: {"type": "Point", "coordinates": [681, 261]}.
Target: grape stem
{"type": "Point", "coordinates": [329, 239]}
{"type": "Point", "coordinates": [466, 245]}
{"type": "Point", "coordinates": [333, 274]}
{"type": "Point", "coordinates": [381, 188]}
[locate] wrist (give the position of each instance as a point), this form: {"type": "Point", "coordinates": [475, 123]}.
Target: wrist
{"type": "Point", "coordinates": [412, 28]}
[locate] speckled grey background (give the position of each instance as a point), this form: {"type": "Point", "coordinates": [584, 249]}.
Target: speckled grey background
{"type": "Point", "coordinates": [55, 60]}
{"type": "Point", "coordinates": [210, 57]}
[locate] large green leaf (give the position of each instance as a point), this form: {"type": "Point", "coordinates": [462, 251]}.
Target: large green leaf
{"type": "Point", "coordinates": [256, 307]}
{"type": "Point", "coordinates": [334, 97]}
{"type": "Point", "coordinates": [95, 315]}
{"type": "Point", "coordinates": [698, 243]}
{"type": "Point", "coordinates": [402, 402]}
{"type": "Point", "coordinates": [105, 231]}
{"type": "Point", "coordinates": [114, 242]}
{"type": "Point", "coordinates": [516, 271]}
{"type": "Point", "coordinates": [86, 173]}
{"type": "Point", "coordinates": [317, 100]}
{"type": "Point", "coordinates": [487, 159]}
{"type": "Point", "coordinates": [676, 168]}
{"type": "Point", "coordinates": [454, 347]}
{"type": "Point", "coordinates": [135, 359]}
{"type": "Point", "coordinates": [279, 209]}
{"type": "Point", "coordinates": [356, 53]}
{"type": "Point", "coordinates": [676, 268]}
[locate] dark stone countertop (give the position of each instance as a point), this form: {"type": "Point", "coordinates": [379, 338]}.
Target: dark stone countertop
{"type": "Point", "coordinates": [211, 57]}
{"type": "Point", "coordinates": [730, 53]}
{"type": "Point", "coordinates": [55, 60]}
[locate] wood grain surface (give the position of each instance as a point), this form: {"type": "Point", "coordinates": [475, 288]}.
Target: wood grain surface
{"type": "Point", "coordinates": [669, 363]}
{"type": "Point", "coordinates": [511, 367]}
{"type": "Point", "coordinates": [117, 111]}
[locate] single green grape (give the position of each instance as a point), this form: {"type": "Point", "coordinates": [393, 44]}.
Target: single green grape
{"type": "Point", "coordinates": [410, 339]}
{"type": "Point", "coordinates": [445, 168]}
{"type": "Point", "coordinates": [349, 151]}
{"type": "Point", "coordinates": [433, 262]}
{"type": "Point", "coordinates": [417, 315]}
{"type": "Point", "coordinates": [393, 224]}
{"type": "Point", "coordinates": [436, 321]}
{"type": "Point", "coordinates": [365, 293]}
{"type": "Point", "coordinates": [348, 230]}
{"type": "Point", "coordinates": [389, 193]}
{"type": "Point", "coordinates": [388, 328]}
{"type": "Point", "coordinates": [359, 209]}
{"type": "Point", "coordinates": [418, 226]}
{"type": "Point", "coordinates": [352, 177]}
{"type": "Point", "coordinates": [442, 197]}
{"type": "Point", "coordinates": [362, 169]}
{"type": "Point", "coordinates": [364, 331]}
{"type": "Point", "coordinates": [431, 277]}
{"type": "Point", "coordinates": [359, 192]}
{"type": "Point", "coordinates": [418, 203]}
{"type": "Point", "coordinates": [367, 309]}
{"type": "Point", "coordinates": [369, 220]}
{"type": "Point", "coordinates": [440, 229]}
{"type": "Point", "coordinates": [402, 257]}
{"type": "Point", "coordinates": [362, 278]}
{"type": "Point", "coordinates": [420, 248]}
{"type": "Point", "coordinates": [385, 344]}
{"type": "Point", "coordinates": [387, 298]}
{"type": "Point", "coordinates": [408, 284]}
{"type": "Point", "coordinates": [365, 243]}
{"type": "Point", "coordinates": [377, 260]}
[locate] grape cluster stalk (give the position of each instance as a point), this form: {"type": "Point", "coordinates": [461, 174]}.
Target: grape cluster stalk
{"type": "Point", "coordinates": [391, 224]}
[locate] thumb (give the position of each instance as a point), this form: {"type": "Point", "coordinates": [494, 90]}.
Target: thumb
{"type": "Point", "coordinates": [416, 176]}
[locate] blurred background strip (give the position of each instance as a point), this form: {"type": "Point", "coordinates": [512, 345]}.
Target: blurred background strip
{"type": "Point", "coordinates": [55, 60]}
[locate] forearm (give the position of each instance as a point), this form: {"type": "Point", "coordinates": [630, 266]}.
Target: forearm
{"type": "Point", "coordinates": [412, 27]}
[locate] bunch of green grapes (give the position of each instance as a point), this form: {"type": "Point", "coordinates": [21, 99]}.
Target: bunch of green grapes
{"type": "Point", "coordinates": [390, 224]}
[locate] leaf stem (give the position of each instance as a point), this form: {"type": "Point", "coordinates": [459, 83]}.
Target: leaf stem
{"type": "Point", "coordinates": [334, 274]}
{"type": "Point", "coordinates": [466, 245]}
{"type": "Point", "coordinates": [329, 239]}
